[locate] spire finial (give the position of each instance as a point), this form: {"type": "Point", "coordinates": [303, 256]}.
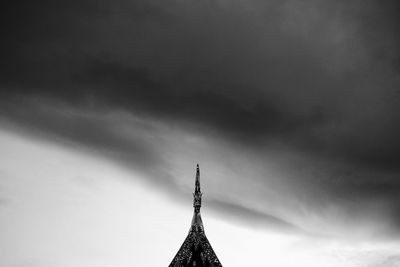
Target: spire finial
{"type": "Point", "coordinates": [197, 192]}
{"type": "Point", "coordinates": [197, 183]}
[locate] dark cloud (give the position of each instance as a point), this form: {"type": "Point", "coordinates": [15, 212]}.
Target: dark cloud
{"type": "Point", "coordinates": [320, 77]}
{"type": "Point", "coordinates": [84, 129]}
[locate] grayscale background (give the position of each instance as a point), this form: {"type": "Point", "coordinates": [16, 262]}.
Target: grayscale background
{"type": "Point", "coordinates": [291, 108]}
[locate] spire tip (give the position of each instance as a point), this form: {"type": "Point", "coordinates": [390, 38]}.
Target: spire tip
{"type": "Point", "coordinates": [197, 192]}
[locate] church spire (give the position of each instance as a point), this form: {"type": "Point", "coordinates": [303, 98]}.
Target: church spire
{"type": "Point", "coordinates": [197, 222]}
{"type": "Point", "coordinates": [197, 193]}
{"type": "Point", "coordinates": [196, 250]}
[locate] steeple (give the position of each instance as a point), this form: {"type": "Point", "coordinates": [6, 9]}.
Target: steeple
{"type": "Point", "coordinates": [197, 193]}
{"type": "Point", "coordinates": [196, 220]}
{"type": "Point", "coordinates": [197, 183]}
{"type": "Point", "coordinates": [196, 250]}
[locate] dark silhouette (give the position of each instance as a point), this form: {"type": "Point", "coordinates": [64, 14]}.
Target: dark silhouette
{"type": "Point", "coordinates": [196, 250]}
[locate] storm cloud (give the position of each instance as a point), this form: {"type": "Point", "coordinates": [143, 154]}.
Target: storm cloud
{"type": "Point", "coordinates": [311, 87]}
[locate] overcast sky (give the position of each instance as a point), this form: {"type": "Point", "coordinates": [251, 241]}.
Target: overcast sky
{"type": "Point", "coordinates": [291, 108]}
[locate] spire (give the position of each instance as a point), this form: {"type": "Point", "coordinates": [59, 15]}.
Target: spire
{"type": "Point", "coordinates": [197, 184]}
{"type": "Point", "coordinates": [197, 193]}
{"type": "Point", "coordinates": [196, 250]}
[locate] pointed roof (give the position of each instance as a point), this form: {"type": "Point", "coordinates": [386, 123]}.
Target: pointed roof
{"type": "Point", "coordinates": [196, 250]}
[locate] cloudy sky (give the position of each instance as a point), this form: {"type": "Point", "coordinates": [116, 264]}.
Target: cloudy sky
{"type": "Point", "coordinates": [291, 108]}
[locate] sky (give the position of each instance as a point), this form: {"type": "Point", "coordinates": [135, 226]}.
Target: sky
{"type": "Point", "coordinates": [291, 109]}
